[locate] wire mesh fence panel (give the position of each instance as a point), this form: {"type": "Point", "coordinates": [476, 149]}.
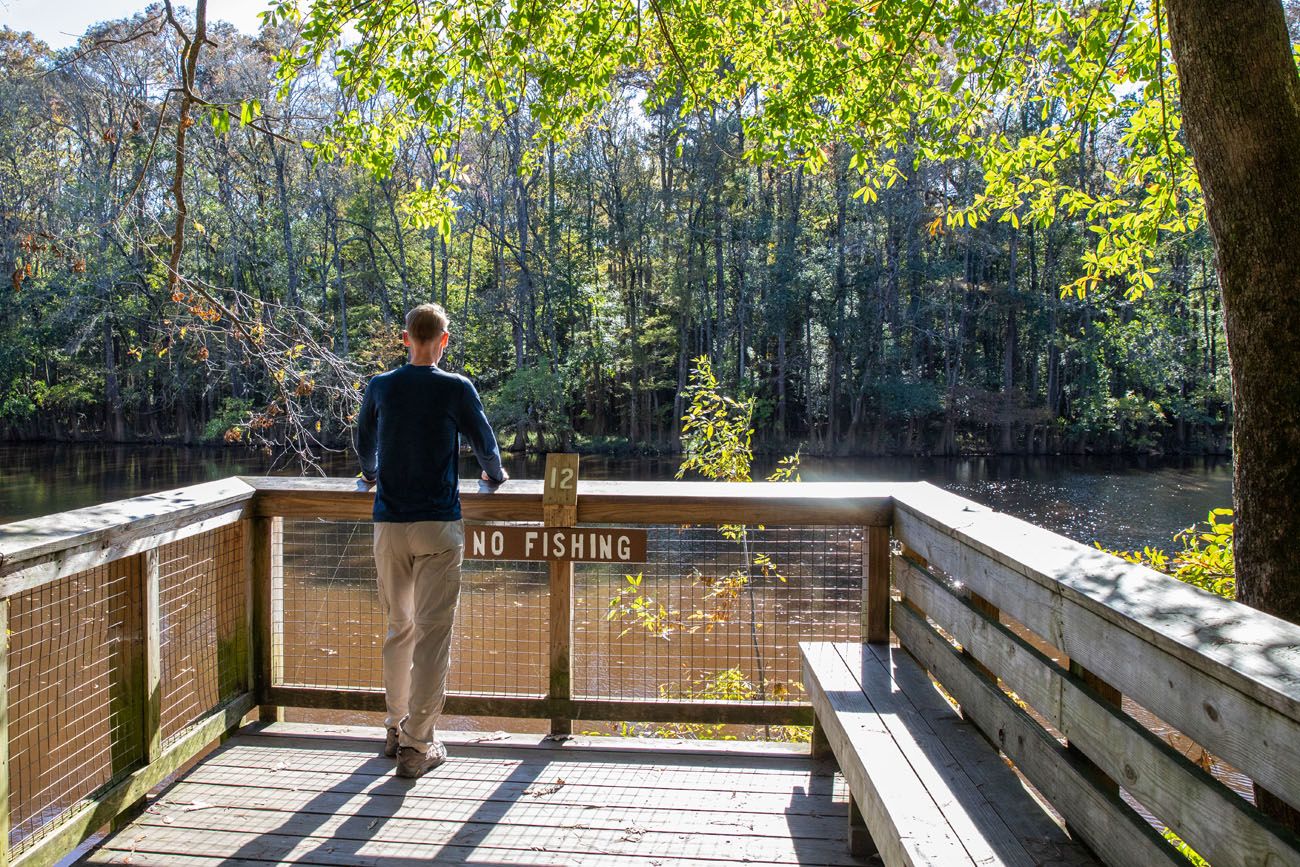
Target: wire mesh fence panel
{"type": "Point", "coordinates": [715, 614]}
{"type": "Point", "coordinates": [332, 629]}
{"type": "Point", "coordinates": [203, 610]}
{"type": "Point", "coordinates": [75, 677]}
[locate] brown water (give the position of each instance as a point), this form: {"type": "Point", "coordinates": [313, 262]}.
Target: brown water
{"type": "Point", "coordinates": [1121, 502]}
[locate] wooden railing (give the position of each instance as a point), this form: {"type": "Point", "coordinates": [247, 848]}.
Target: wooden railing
{"type": "Point", "coordinates": [1102, 652]}
{"type": "Point", "coordinates": [170, 609]}
{"type": "Point", "coordinates": [625, 503]}
{"type": "Point", "coordinates": [83, 675]}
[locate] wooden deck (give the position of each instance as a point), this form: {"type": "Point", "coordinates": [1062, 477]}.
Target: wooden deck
{"type": "Point", "coordinates": [323, 795]}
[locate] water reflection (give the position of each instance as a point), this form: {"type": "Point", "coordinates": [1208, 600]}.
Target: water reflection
{"type": "Point", "coordinates": [1123, 502]}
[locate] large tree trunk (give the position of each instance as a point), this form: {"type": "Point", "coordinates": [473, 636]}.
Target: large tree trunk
{"type": "Point", "coordinates": [1241, 108]}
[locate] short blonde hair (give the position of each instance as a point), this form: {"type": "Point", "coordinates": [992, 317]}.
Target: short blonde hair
{"type": "Point", "coordinates": [426, 323]}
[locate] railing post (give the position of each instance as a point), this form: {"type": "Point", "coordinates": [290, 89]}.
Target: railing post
{"type": "Point", "coordinates": [561, 617]}
{"type": "Point", "coordinates": [261, 557]}
{"type": "Point", "coordinates": [560, 509]}
{"type": "Point", "coordinates": [991, 611]}
{"type": "Point", "coordinates": [128, 695]}
{"type": "Point", "coordinates": [142, 669]}
{"type": "Point", "coordinates": [1109, 695]}
{"type": "Point", "coordinates": [875, 586]}
{"type": "Point", "coordinates": [4, 732]}
{"type": "Point", "coordinates": [152, 699]}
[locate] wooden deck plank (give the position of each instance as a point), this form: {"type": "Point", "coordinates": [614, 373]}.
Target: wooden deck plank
{"type": "Point", "coordinates": [575, 838]}
{"type": "Point", "coordinates": [315, 800]}
{"type": "Point", "coordinates": [251, 847]}
{"type": "Point", "coordinates": [491, 751]}
{"type": "Point", "coordinates": [647, 774]}
{"type": "Point", "coordinates": [575, 794]}
{"type": "Point", "coordinates": [378, 802]}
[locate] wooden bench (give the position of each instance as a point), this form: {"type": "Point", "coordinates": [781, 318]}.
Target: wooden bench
{"type": "Point", "coordinates": [925, 786]}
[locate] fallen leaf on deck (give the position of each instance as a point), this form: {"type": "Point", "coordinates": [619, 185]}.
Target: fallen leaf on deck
{"type": "Point", "coordinates": [490, 736]}
{"type": "Point", "coordinates": [544, 790]}
{"type": "Point", "coordinates": [195, 805]}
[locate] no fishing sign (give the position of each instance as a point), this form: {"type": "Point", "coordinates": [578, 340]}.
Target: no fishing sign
{"type": "Point", "coordinates": [559, 540]}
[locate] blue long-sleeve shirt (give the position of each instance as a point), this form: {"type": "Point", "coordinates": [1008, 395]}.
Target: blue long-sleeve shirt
{"type": "Point", "coordinates": [407, 439]}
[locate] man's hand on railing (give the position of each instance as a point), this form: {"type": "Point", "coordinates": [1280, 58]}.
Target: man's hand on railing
{"type": "Point", "coordinates": [493, 484]}
{"type": "Point", "coordinates": [364, 484]}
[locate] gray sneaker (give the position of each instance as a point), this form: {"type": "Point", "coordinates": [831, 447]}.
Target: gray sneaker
{"type": "Point", "coordinates": [390, 742]}
{"type": "Point", "coordinates": [412, 763]}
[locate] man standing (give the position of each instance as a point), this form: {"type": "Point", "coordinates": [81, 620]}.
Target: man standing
{"type": "Point", "coordinates": [407, 439]}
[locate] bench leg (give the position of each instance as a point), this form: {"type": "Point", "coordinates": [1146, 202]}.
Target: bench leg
{"type": "Point", "coordinates": [820, 746]}
{"type": "Point", "coordinates": [860, 843]}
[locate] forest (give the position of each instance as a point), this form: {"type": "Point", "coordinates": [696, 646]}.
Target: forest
{"type": "Point", "coordinates": [583, 278]}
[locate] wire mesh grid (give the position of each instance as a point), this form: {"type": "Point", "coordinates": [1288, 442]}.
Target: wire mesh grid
{"type": "Point", "coordinates": [203, 610]}
{"type": "Point", "coordinates": [715, 616]}
{"type": "Point", "coordinates": [331, 630]}
{"type": "Point", "coordinates": [718, 640]}
{"type": "Point", "coordinates": [75, 723]}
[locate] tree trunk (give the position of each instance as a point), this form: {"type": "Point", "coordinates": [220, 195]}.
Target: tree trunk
{"type": "Point", "coordinates": [1009, 349]}
{"type": "Point", "coordinates": [1241, 108]}
{"type": "Point", "coordinates": [286, 225]}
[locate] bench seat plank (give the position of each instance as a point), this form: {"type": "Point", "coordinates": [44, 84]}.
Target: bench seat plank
{"type": "Point", "coordinates": [1024, 813]}
{"type": "Point", "coordinates": [905, 823]}
{"type": "Point", "coordinates": [924, 778]}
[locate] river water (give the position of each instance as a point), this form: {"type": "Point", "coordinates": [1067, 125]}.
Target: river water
{"type": "Point", "coordinates": [1123, 503]}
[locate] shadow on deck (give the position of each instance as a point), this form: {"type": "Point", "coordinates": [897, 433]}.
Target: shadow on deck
{"type": "Point", "coordinates": [324, 795]}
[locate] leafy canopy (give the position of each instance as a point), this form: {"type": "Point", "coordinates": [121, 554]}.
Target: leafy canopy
{"type": "Point", "coordinates": [1027, 91]}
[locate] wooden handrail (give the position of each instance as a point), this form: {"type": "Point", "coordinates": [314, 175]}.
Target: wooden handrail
{"type": "Point", "coordinates": [40, 550]}
{"type": "Point", "coordinates": [601, 502]}
{"type": "Point", "coordinates": [1251, 651]}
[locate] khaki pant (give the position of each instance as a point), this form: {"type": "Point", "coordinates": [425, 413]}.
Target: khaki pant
{"type": "Point", "coordinates": [419, 585]}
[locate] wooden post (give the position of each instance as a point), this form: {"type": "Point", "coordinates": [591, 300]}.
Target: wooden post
{"type": "Point", "coordinates": [248, 535]}
{"type": "Point", "coordinates": [560, 509]}
{"type": "Point", "coordinates": [128, 697]}
{"type": "Point", "coordinates": [875, 586]}
{"type": "Point", "coordinates": [1110, 695]}
{"type": "Point", "coordinates": [560, 491]}
{"type": "Point", "coordinates": [860, 843]}
{"type": "Point", "coordinates": [819, 746]}
{"type": "Point", "coordinates": [152, 658]}
{"type": "Point", "coordinates": [989, 610]}
{"type": "Point", "coordinates": [561, 616]}
{"type": "Point", "coordinates": [261, 531]}
{"type": "Point", "coordinates": [4, 732]}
